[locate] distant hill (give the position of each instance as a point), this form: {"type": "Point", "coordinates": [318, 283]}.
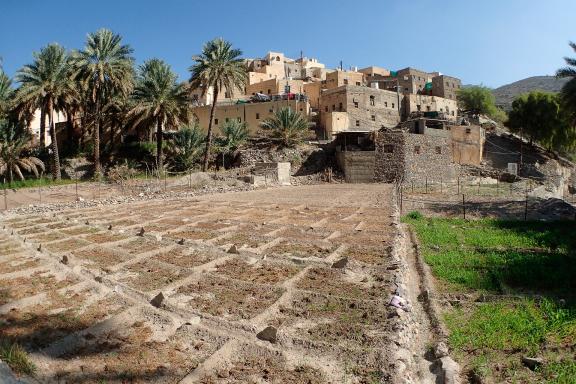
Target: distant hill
{"type": "Point", "coordinates": [506, 94]}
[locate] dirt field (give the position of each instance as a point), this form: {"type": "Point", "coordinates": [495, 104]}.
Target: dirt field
{"type": "Point", "coordinates": [76, 286]}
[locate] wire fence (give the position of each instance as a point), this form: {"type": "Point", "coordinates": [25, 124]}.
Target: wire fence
{"type": "Point", "coordinates": [485, 197]}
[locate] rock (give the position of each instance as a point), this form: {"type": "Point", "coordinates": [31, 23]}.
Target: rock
{"type": "Point", "coordinates": [110, 227]}
{"type": "Point", "coordinates": [141, 232]}
{"type": "Point", "coordinates": [233, 249]}
{"type": "Point", "coordinates": [98, 279]}
{"type": "Point", "coordinates": [450, 370]}
{"type": "Point", "coordinates": [394, 312]}
{"type": "Point", "coordinates": [340, 263]}
{"type": "Point", "coordinates": [268, 334]}
{"type": "Point", "coordinates": [435, 247]}
{"type": "Point", "coordinates": [180, 242]}
{"type": "Point", "coordinates": [157, 300]}
{"type": "Point", "coordinates": [80, 199]}
{"type": "Point", "coordinates": [87, 222]}
{"type": "Point", "coordinates": [64, 260]}
{"type": "Point", "coordinates": [440, 350]}
{"type": "Point", "coordinates": [532, 362]}
{"type": "Point", "coordinates": [40, 248]}
{"type": "Point", "coordinates": [158, 237]}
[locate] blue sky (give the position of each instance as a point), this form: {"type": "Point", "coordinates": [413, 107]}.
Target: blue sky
{"type": "Point", "coordinates": [492, 42]}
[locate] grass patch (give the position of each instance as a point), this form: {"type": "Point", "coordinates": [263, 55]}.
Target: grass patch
{"type": "Point", "coordinates": [16, 358]}
{"type": "Point", "coordinates": [528, 269]}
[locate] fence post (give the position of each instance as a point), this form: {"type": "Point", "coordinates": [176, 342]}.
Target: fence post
{"type": "Point", "coordinates": [76, 182]}
{"type": "Point", "coordinates": [526, 203]}
{"type": "Point", "coordinates": [498, 186]}
{"type": "Point", "coordinates": [464, 206]}
{"type": "Point", "coordinates": [426, 184]}
{"type": "Point", "coordinates": [412, 186]}
{"type": "Point", "coordinates": [5, 197]}
{"type": "Point", "coordinates": [40, 193]}
{"type": "Point", "coordinates": [190, 179]}
{"type": "Point", "coordinates": [441, 185]}
{"type": "Point", "coordinates": [479, 181]}
{"type": "Point", "coordinates": [458, 184]}
{"type": "Point", "coordinates": [165, 183]}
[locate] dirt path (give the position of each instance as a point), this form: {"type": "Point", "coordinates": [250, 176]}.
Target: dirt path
{"type": "Point", "coordinates": [288, 284]}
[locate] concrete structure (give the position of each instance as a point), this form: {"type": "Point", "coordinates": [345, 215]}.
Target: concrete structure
{"type": "Point", "coordinates": [467, 144]}
{"type": "Point", "coordinates": [446, 86]}
{"type": "Point", "coordinates": [34, 127]}
{"type": "Point", "coordinates": [368, 109]}
{"type": "Point", "coordinates": [355, 156]}
{"type": "Point", "coordinates": [251, 113]}
{"type": "Point", "coordinates": [273, 172]}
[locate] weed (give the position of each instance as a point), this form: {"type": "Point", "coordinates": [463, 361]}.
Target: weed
{"type": "Point", "coordinates": [415, 215]}
{"type": "Point", "coordinates": [16, 357]}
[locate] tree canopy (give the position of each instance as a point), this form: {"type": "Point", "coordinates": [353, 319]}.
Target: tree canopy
{"type": "Point", "coordinates": [540, 116]}
{"type": "Point", "coordinates": [568, 92]}
{"type": "Point", "coordinates": [480, 100]}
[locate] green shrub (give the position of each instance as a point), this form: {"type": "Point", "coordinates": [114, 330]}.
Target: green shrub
{"type": "Point", "coordinates": [16, 358]}
{"type": "Point", "coordinates": [414, 215]}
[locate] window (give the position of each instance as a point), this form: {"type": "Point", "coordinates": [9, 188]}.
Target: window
{"type": "Point", "coordinates": [357, 123]}
{"type": "Point", "coordinates": [358, 83]}
{"type": "Point", "coordinates": [345, 81]}
{"type": "Point", "coordinates": [355, 104]}
{"type": "Point", "coordinates": [226, 119]}
{"type": "Point", "coordinates": [468, 130]}
{"type": "Point", "coordinates": [441, 109]}
{"type": "Point", "coordinates": [257, 116]}
{"type": "Point", "coordinates": [373, 117]}
{"type": "Point", "coordinates": [340, 107]}
{"type": "Point", "coordinates": [418, 107]}
{"type": "Point", "coordinates": [333, 107]}
{"type": "Point", "coordinates": [271, 110]}
{"type": "Point", "coordinates": [301, 109]}
{"type": "Point", "coordinates": [438, 150]}
{"type": "Point", "coordinates": [428, 108]}
{"type": "Point", "coordinates": [386, 104]}
{"type": "Point", "coordinates": [372, 100]}
{"type": "Point", "coordinates": [227, 94]}
{"type": "Point", "coordinates": [269, 91]}
{"type": "Point", "coordinates": [326, 109]}
{"type": "Point", "coordinates": [417, 149]}
{"type": "Point", "coordinates": [239, 119]}
{"type": "Point", "coordinates": [388, 148]}
{"type": "Point", "coordinates": [452, 113]}
{"type": "Point", "coordinates": [392, 105]}
{"type": "Point", "coordinates": [215, 121]}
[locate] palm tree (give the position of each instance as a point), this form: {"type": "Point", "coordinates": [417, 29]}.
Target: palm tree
{"type": "Point", "coordinates": [159, 99]}
{"type": "Point", "coordinates": [287, 126]}
{"type": "Point", "coordinates": [219, 67]}
{"type": "Point", "coordinates": [13, 141]}
{"type": "Point", "coordinates": [187, 146]}
{"type": "Point", "coordinates": [46, 83]}
{"type": "Point", "coordinates": [6, 93]}
{"type": "Point", "coordinates": [235, 134]}
{"type": "Point", "coordinates": [105, 68]}
{"type": "Point", "coordinates": [568, 92]}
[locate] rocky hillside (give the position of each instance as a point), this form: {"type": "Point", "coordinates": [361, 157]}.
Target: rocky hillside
{"type": "Point", "coordinates": [506, 94]}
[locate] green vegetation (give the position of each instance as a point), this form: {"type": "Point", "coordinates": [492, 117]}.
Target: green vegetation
{"type": "Point", "coordinates": [234, 135]}
{"type": "Point", "coordinates": [186, 147]}
{"type": "Point", "coordinates": [159, 100]}
{"type": "Point", "coordinates": [540, 116]}
{"type": "Point", "coordinates": [287, 126]}
{"type": "Point", "coordinates": [568, 93]}
{"type": "Point", "coordinates": [518, 278]}
{"type": "Point", "coordinates": [480, 100]}
{"type": "Point", "coordinates": [16, 358]}
{"type": "Point", "coordinates": [13, 141]}
{"type": "Point", "coordinates": [104, 70]}
{"type": "Point", "coordinates": [219, 67]}
{"type": "Point", "coordinates": [34, 183]}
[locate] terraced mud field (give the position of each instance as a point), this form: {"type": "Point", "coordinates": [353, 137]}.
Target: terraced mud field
{"type": "Point", "coordinates": [287, 285]}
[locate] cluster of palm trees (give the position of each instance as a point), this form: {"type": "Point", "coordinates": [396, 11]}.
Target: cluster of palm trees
{"type": "Point", "coordinates": [98, 89]}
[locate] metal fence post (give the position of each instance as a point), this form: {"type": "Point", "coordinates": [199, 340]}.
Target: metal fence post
{"type": "Point", "coordinates": [458, 184]}
{"type": "Point", "coordinates": [5, 197]}
{"type": "Point", "coordinates": [464, 206]}
{"type": "Point", "coordinates": [426, 184]}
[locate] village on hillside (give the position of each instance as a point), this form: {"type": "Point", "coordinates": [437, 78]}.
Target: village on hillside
{"type": "Point", "coordinates": [272, 220]}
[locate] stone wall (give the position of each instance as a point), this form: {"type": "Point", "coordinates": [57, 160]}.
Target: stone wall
{"type": "Point", "coordinates": [389, 162]}
{"type": "Point", "coordinates": [358, 166]}
{"type": "Point", "coordinates": [413, 157]}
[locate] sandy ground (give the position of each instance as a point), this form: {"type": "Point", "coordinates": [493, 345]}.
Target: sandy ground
{"type": "Point", "coordinates": [282, 285]}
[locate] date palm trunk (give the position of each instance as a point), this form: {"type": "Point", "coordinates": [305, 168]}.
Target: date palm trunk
{"type": "Point", "coordinates": [42, 127]}
{"type": "Point", "coordinates": [159, 139]}
{"type": "Point", "coordinates": [96, 138]}
{"type": "Point", "coordinates": [56, 175]}
{"type": "Point", "coordinates": [209, 134]}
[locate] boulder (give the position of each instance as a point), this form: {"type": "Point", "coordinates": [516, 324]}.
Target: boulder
{"type": "Point", "coordinates": [440, 350]}
{"type": "Point", "coordinates": [233, 249]}
{"type": "Point", "coordinates": [268, 334]}
{"type": "Point", "coordinates": [532, 362]}
{"type": "Point", "coordinates": [340, 263]}
{"type": "Point", "coordinates": [157, 300]}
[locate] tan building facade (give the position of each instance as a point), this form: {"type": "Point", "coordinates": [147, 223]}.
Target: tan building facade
{"type": "Point", "coordinates": [424, 103]}
{"type": "Point", "coordinates": [467, 144]}
{"type": "Point", "coordinates": [339, 78]}
{"type": "Point", "coordinates": [446, 86]}
{"type": "Point", "coordinates": [367, 109]}
{"type": "Point", "coordinates": [251, 113]}
{"type": "Point", "coordinates": [275, 87]}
